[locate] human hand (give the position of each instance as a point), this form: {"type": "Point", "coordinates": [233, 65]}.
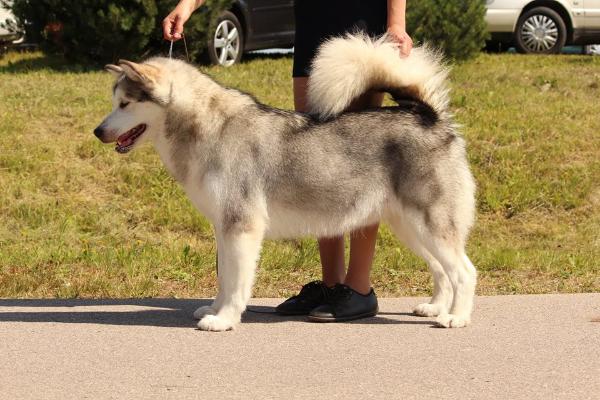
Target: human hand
{"type": "Point", "coordinates": [173, 23]}
{"type": "Point", "coordinates": [399, 35]}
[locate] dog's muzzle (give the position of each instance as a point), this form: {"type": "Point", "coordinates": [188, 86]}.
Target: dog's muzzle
{"type": "Point", "coordinates": [98, 132]}
{"type": "Point", "coordinates": [101, 134]}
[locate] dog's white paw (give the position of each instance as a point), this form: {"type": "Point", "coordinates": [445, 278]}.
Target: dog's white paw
{"type": "Point", "coordinates": [214, 323]}
{"type": "Point", "coordinates": [429, 310]}
{"type": "Point", "coordinates": [204, 310]}
{"type": "Point", "coordinates": [453, 321]}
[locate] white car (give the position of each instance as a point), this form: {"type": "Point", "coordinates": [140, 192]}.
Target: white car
{"type": "Point", "coordinates": [7, 36]}
{"type": "Point", "coordinates": [542, 26]}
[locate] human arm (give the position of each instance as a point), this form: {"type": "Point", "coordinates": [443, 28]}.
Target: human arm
{"type": "Point", "coordinates": [173, 23]}
{"type": "Point", "coordinates": [396, 25]}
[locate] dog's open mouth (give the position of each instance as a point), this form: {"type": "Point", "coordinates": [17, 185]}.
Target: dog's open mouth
{"type": "Point", "coordinates": [125, 141]}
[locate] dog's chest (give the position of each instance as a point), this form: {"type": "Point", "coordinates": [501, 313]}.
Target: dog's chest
{"type": "Point", "coordinates": [195, 183]}
{"type": "Point", "coordinates": [202, 197]}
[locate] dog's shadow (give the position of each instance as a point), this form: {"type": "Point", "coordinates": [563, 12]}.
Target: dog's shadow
{"type": "Point", "coordinates": [152, 312]}
{"type": "Point", "coordinates": [171, 313]}
{"type": "Point", "coordinates": [265, 314]}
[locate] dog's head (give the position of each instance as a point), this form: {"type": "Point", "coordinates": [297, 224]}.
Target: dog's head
{"type": "Point", "coordinates": [139, 96]}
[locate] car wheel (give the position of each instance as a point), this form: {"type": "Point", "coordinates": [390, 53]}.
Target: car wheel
{"type": "Point", "coordinates": [540, 30]}
{"type": "Point", "coordinates": [226, 45]}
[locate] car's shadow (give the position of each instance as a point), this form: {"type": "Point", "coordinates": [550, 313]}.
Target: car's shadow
{"type": "Point", "coordinates": [172, 313]}
{"type": "Point", "coordinates": [43, 62]}
{"type": "Point", "coordinates": [262, 55]}
{"type": "Point", "coordinates": [58, 63]}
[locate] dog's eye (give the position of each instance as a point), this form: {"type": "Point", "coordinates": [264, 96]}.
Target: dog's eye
{"type": "Point", "coordinates": [123, 104]}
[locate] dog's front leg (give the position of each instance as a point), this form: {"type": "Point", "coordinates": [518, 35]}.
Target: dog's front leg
{"type": "Point", "coordinates": [239, 249]}
{"type": "Point", "coordinates": [216, 304]}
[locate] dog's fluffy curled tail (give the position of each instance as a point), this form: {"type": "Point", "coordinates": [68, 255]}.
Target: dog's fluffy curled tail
{"type": "Point", "coordinates": [346, 67]}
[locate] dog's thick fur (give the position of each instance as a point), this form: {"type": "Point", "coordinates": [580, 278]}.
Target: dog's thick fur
{"type": "Point", "coordinates": [259, 172]}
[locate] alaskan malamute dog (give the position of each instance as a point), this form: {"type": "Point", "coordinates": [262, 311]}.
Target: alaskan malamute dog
{"type": "Point", "coordinates": [257, 172]}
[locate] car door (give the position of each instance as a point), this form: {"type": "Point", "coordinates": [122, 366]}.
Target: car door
{"type": "Point", "coordinates": [272, 20]}
{"type": "Point", "coordinates": [591, 12]}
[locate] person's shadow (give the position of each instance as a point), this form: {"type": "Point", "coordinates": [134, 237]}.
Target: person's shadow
{"type": "Point", "coordinates": [172, 313]}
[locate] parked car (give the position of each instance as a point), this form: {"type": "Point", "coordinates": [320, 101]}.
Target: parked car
{"type": "Point", "coordinates": [251, 25]}
{"type": "Point", "coordinates": [592, 49]}
{"type": "Point", "coordinates": [6, 36]}
{"type": "Point", "coordinates": [542, 26]}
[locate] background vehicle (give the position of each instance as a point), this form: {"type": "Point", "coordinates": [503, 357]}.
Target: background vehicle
{"type": "Point", "coordinates": [6, 36]}
{"type": "Point", "coordinates": [542, 26]}
{"type": "Point", "coordinates": [251, 25]}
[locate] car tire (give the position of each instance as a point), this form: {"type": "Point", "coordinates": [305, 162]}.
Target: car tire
{"type": "Point", "coordinates": [226, 44]}
{"type": "Point", "coordinates": [540, 30]}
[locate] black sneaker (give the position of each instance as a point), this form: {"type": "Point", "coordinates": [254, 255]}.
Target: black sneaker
{"type": "Point", "coordinates": [345, 304]}
{"type": "Point", "coordinates": [312, 295]}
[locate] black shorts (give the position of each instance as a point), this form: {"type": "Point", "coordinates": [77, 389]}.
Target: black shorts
{"type": "Point", "coordinates": [317, 20]}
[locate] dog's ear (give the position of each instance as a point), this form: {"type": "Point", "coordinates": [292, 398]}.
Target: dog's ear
{"type": "Point", "coordinates": [114, 69]}
{"type": "Point", "coordinates": [143, 73]}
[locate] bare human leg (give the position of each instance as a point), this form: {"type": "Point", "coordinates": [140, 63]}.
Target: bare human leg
{"type": "Point", "coordinates": [331, 249]}
{"type": "Point", "coordinates": [362, 241]}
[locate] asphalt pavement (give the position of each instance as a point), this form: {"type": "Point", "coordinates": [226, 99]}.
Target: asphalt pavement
{"type": "Point", "coordinates": [518, 347]}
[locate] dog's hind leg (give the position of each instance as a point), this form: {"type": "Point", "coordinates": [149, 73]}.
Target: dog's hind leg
{"type": "Point", "coordinates": [463, 277]}
{"type": "Point", "coordinates": [442, 289]}
{"type": "Point", "coordinates": [238, 256]}
{"type": "Point", "coordinates": [446, 245]}
{"type": "Point", "coordinates": [444, 242]}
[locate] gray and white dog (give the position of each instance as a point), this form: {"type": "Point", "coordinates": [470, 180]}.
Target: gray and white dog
{"type": "Point", "coordinates": [257, 172]}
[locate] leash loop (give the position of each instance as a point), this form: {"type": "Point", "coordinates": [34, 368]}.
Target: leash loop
{"type": "Point", "coordinates": [187, 55]}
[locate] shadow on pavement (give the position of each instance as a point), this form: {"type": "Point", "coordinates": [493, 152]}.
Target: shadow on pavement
{"type": "Point", "coordinates": [172, 313]}
{"type": "Point", "coordinates": [165, 312]}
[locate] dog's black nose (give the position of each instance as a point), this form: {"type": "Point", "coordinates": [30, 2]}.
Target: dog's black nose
{"type": "Point", "coordinates": [98, 132]}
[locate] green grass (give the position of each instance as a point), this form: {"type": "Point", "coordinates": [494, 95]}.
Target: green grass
{"type": "Point", "coordinates": [78, 220]}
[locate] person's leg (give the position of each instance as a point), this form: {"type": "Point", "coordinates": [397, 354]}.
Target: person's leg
{"type": "Point", "coordinates": [331, 249]}
{"type": "Point", "coordinates": [355, 298]}
{"type": "Point", "coordinates": [362, 241]}
{"type": "Point", "coordinates": [362, 250]}
{"type": "Point", "coordinates": [362, 247]}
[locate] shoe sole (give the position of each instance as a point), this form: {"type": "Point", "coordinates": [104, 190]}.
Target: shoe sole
{"type": "Point", "coordinates": [342, 319]}
{"type": "Point", "coordinates": [291, 313]}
